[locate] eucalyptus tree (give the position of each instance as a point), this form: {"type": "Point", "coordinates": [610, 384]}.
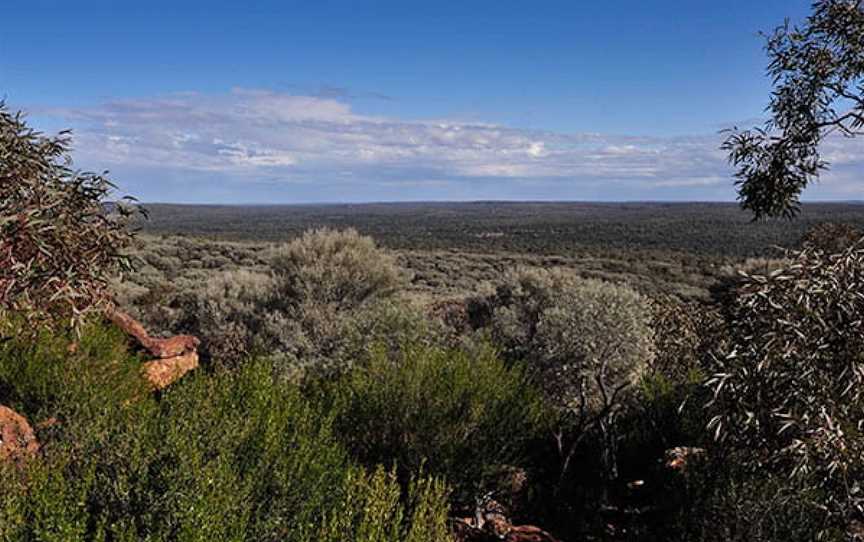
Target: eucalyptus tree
{"type": "Point", "coordinates": [60, 241]}
{"type": "Point", "coordinates": [818, 76]}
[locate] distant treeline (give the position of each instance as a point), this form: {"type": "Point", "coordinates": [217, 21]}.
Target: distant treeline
{"type": "Point", "coordinates": [709, 229]}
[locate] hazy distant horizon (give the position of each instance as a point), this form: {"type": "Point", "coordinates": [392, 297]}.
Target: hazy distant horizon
{"type": "Point", "coordinates": [483, 201]}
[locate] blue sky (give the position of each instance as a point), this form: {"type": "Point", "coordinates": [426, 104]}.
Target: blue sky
{"type": "Point", "coordinates": [286, 101]}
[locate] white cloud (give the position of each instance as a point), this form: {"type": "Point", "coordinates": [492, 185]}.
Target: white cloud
{"type": "Point", "coordinates": [255, 134]}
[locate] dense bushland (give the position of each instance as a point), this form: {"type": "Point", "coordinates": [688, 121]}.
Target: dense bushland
{"type": "Point", "coordinates": [333, 405]}
{"type": "Point", "coordinates": [463, 416]}
{"type": "Point", "coordinates": [240, 455]}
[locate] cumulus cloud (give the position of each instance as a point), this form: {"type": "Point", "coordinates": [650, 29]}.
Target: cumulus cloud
{"type": "Point", "coordinates": [258, 135]}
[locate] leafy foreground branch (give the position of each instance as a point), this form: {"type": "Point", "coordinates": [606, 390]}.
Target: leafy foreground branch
{"type": "Point", "coordinates": [818, 75]}
{"type": "Point", "coordinates": [59, 243]}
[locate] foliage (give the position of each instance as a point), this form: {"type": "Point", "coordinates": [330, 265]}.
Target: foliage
{"type": "Point", "coordinates": [831, 237]}
{"type": "Point", "coordinates": [718, 503]}
{"type": "Point", "coordinates": [230, 312]}
{"type": "Point", "coordinates": [684, 333]}
{"type": "Point", "coordinates": [788, 393]}
{"type": "Point", "coordinates": [342, 269]}
{"type": "Point", "coordinates": [454, 414]}
{"type": "Point", "coordinates": [59, 245]}
{"type": "Point", "coordinates": [587, 341]}
{"type": "Point", "coordinates": [817, 69]}
{"type": "Point", "coordinates": [311, 303]}
{"type": "Point", "coordinates": [232, 456]}
{"type": "Point", "coordinates": [633, 234]}
{"type": "Point", "coordinates": [571, 327]}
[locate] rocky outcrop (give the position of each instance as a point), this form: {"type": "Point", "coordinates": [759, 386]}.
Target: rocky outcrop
{"type": "Point", "coordinates": [175, 356]}
{"type": "Point", "coordinates": [17, 439]}
{"type": "Point", "coordinates": [161, 373]}
{"type": "Point", "coordinates": [161, 348]}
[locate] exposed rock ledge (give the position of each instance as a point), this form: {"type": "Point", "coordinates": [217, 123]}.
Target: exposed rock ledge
{"type": "Point", "coordinates": [175, 356]}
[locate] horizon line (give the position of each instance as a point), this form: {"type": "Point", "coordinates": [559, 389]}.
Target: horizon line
{"type": "Point", "coordinates": [477, 201]}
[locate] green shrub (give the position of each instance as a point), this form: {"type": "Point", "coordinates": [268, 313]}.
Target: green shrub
{"type": "Point", "coordinates": [229, 312]}
{"type": "Point", "coordinates": [720, 504]}
{"type": "Point", "coordinates": [451, 413]}
{"type": "Point", "coordinates": [390, 324]}
{"type": "Point", "coordinates": [238, 455]}
{"type": "Point", "coordinates": [62, 375]}
{"type": "Point", "coordinates": [313, 307]}
{"type": "Point", "coordinates": [570, 328]}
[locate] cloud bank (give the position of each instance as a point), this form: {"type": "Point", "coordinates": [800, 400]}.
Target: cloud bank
{"type": "Point", "coordinates": [264, 146]}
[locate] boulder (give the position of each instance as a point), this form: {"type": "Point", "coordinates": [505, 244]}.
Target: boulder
{"type": "Point", "coordinates": [163, 372]}
{"type": "Point", "coordinates": [172, 346]}
{"type": "Point", "coordinates": [17, 439]}
{"type": "Point", "coordinates": [161, 348]}
{"type": "Point", "coordinates": [176, 355]}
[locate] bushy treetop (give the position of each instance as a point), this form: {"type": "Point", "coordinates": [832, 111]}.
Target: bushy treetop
{"type": "Point", "coordinates": [789, 393]}
{"type": "Point", "coordinates": [818, 74]}
{"type": "Point", "coordinates": [59, 243]}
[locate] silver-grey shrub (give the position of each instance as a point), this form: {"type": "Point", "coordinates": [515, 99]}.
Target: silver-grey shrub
{"type": "Point", "coordinates": [342, 269]}
{"type": "Point", "coordinates": [313, 307]}
{"type": "Point", "coordinates": [588, 342]}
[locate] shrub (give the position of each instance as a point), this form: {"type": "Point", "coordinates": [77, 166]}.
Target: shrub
{"type": "Point", "coordinates": [587, 341]}
{"type": "Point", "coordinates": [830, 237]}
{"type": "Point", "coordinates": [228, 312]}
{"type": "Point", "coordinates": [59, 244]}
{"type": "Point", "coordinates": [685, 332]}
{"type": "Point", "coordinates": [788, 394]}
{"type": "Point", "coordinates": [342, 269]}
{"type": "Point", "coordinates": [720, 504]}
{"type": "Point", "coordinates": [390, 324]}
{"type": "Point", "coordinates": [58, 374]}
{"type": "Point", "coordinates": [454, 414]}
{"type": "Point", "coordinates": [314, 307]}
{"type": "Point", "coordinates": [238, 455]}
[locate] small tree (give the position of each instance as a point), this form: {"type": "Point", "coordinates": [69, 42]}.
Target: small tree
{"type": "Point", "coordinates": [789, 393]}
{"type": "Point", "coordinates": [588, 342]}
{"type": "Point", "coordinates": [818, 74]}
{"type": "Point", "coordinates": [59, 243]}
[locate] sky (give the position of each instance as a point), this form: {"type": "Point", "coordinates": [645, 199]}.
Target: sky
{"type": "Point", "coordinates": [321, 101]}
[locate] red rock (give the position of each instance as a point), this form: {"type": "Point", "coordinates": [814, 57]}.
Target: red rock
{"type": "Point", "coordinates": [176, 355]}
{"type": "Point", "coordinates": [129, 325]}
{"type": "Point", "coordinates": [163, 372]}
{"type": "Point", "coordinates": [17, 439]}
{"type": "Point", "coordinates": [161, 348]}
{"type": "Point", "coordinates": [173, 346]}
